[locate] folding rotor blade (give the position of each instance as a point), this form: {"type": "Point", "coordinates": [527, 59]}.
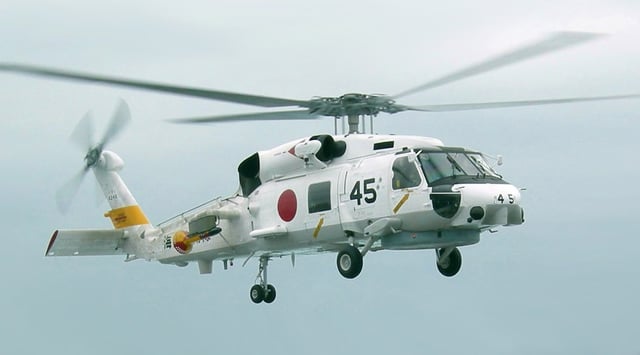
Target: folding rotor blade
{"type": "Point", "coordinates": [120, 119]}
{"type": "Point", "coordinates": [254, 100]}
{"type": "Point", "coordinates": [555, 42]}
{"type": "Point", "coordinates": [488, 105]}
{"type": "Point", "coordinates": [259, 116]}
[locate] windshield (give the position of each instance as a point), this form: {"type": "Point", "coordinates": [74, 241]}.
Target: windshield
{"type": "Point", "coordinates": [486, 169]}
{"type": "Point", "coordinates": [439, 165]}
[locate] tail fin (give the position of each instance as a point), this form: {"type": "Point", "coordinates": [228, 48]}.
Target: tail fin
{"type": "Point", "coordinates": [125, 211]}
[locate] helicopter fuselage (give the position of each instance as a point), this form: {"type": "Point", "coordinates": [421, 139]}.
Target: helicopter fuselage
{"type": "Point", "coordinates": [324, 192]}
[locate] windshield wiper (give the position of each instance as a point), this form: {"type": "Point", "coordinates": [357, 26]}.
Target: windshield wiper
{"type": "Point", "coordinates": [454, 166]}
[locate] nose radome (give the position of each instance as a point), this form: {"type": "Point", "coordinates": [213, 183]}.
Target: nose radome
{"type": "Point", "coordinates": [486, 205]}
{"type": "Point", "coordinates": [488, 194]}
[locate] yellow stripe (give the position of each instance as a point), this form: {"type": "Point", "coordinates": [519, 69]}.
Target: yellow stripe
{"type": "Point", "coordinates": [127, 216]}
{"type": "Point", "coordinates": [317, 230]}
{"type": "Point", "coordinates": [400, 203]}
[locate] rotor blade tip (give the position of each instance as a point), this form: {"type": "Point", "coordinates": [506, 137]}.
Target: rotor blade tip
{"type": "Point", "coordinates": [187, 121]}
{"type": "Point", "coordinates": [581, 35]}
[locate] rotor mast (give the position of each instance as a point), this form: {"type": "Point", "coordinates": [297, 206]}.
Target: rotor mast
{"type": "Point", "coordinates": [357, 124]}
{"type": "Point", "coordinates": [354, 123]}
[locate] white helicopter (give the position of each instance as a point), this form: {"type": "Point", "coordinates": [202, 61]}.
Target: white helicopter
{"type": "Point", "coordinates": [347, 193]}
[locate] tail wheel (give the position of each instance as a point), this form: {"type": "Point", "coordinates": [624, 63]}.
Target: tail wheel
{"type": "Point", "coordinates": [349, 262]}
{"type": "Point", "coordinates": [270, 294]}
{"type": "Point", "coordinates": [450, 265]}
{"type": "Point", "coordinates": [257, 294]}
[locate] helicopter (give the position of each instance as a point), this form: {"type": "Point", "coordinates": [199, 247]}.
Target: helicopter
{"type": "Point", "coordinates": [350, 193]}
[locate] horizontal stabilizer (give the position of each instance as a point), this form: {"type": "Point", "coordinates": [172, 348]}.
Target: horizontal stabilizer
{"type": "Point", "coordinates": [86, 242]}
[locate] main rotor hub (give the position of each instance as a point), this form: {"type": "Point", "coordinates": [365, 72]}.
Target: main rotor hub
{"type": "Point", "coordinates": [353, 104]}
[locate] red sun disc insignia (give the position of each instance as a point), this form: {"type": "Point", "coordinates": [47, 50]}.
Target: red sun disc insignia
{"type": "Point", "coordinates": [287, 205]}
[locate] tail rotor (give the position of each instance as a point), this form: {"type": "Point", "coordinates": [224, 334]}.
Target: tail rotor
{"type": "Point", "coordinates": [82, 136]}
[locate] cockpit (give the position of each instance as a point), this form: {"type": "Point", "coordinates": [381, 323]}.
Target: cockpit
{"type": "Point", "coordinates": [451, 165]}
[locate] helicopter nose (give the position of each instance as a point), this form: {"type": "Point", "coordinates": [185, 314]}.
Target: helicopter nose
{"type": "Point", "coordinates": [486, 205]}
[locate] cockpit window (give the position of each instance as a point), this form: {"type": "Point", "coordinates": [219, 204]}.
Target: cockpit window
{"type": "Point", "coordinates": [478, 160]}
{"type": "Point", "coordinates": [439, 165]}
{"type": "Point", "coordinates": [405, 174]}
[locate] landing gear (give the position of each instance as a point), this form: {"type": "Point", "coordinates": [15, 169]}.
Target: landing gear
{"type": "Point", "coordinates": [349, 262]}
{"type": "Point", "coordinates": [449, 261]}
{"type": "Point", "coordinates": [262, 291]}
{"type": "Point", "coordinates": [270, 294]}
{"type": "Point", "coordinates": [257, 294]}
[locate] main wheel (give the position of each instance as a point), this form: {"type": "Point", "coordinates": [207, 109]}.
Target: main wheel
{"type": "Point", "coordinates": [349, 262]}
{"type": "Point", "coordinates": [450, 265]}
{"type": "Point", "coordinates": [270, 294]}
{"type": "Point", "coordinates": [257, 294]}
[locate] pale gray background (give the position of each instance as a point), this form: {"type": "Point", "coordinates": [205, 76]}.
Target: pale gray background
{"type": "Point", "coordinates": [566, 282]}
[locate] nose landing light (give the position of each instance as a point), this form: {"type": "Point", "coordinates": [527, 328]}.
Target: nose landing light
{"type": "Point", "coordinates": [476, 213]}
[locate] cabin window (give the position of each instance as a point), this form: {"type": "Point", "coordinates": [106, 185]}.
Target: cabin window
{"type": "Point", "coordinates": [320, 197]}
{"type": "Point", "coordinates": [405, 174]}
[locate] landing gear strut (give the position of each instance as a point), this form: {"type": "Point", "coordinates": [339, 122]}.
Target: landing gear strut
{"type": "Point", "coordinates": [262, 291]}
{"type": "Point", "coordinates": [448, 261]}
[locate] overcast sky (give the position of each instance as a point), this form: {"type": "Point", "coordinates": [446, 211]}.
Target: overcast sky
{"type": "Point", "coordinates": [565, 282]}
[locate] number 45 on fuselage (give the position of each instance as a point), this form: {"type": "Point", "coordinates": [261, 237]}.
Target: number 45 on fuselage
{"type": "Point", "coordinates": [348, 194]}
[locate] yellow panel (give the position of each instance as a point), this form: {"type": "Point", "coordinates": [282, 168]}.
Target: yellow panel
{"type": "Point", "coordinates": [317, 230]}
{"type": "Point", "coordinates": [400, 203]}
{"type": "Point", "coordinates": [127, 216]}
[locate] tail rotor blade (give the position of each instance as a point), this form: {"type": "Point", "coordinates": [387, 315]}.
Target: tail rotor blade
{"type": "Point", "coordinates": [99, 195]}
{"type": "Point", "coordinates": [120, 119]}
{"type": "Point", "coordinates": [65, 195]}
{"type": "Point", "coordinates": [82, 135]}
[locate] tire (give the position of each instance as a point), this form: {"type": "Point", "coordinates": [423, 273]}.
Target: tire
{"type": "Point", "coordinates": [451, 265]}
{"type": "Point", "coordinates": [256, 294]}
{"type": "Point", "coordinates": [270, 294]}
{"type": "Point", "coordinates": [349, 262]}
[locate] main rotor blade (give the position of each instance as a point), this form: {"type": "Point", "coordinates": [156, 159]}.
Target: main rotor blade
{"type": "Point", "coordinates": [120, 119]}
{"type": "Point", "coordinates": [488, 105]}
{"type": "Point", "coordinates": [65, 195]}
{"type": "Point", "coordinates": [552, 43]}
{"type": "Point", "coordinates": [259, 116]}
{"type": "Point", "coordinates": [82, 135]}
{"type": "Point", "coordinates": [247, 99]}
